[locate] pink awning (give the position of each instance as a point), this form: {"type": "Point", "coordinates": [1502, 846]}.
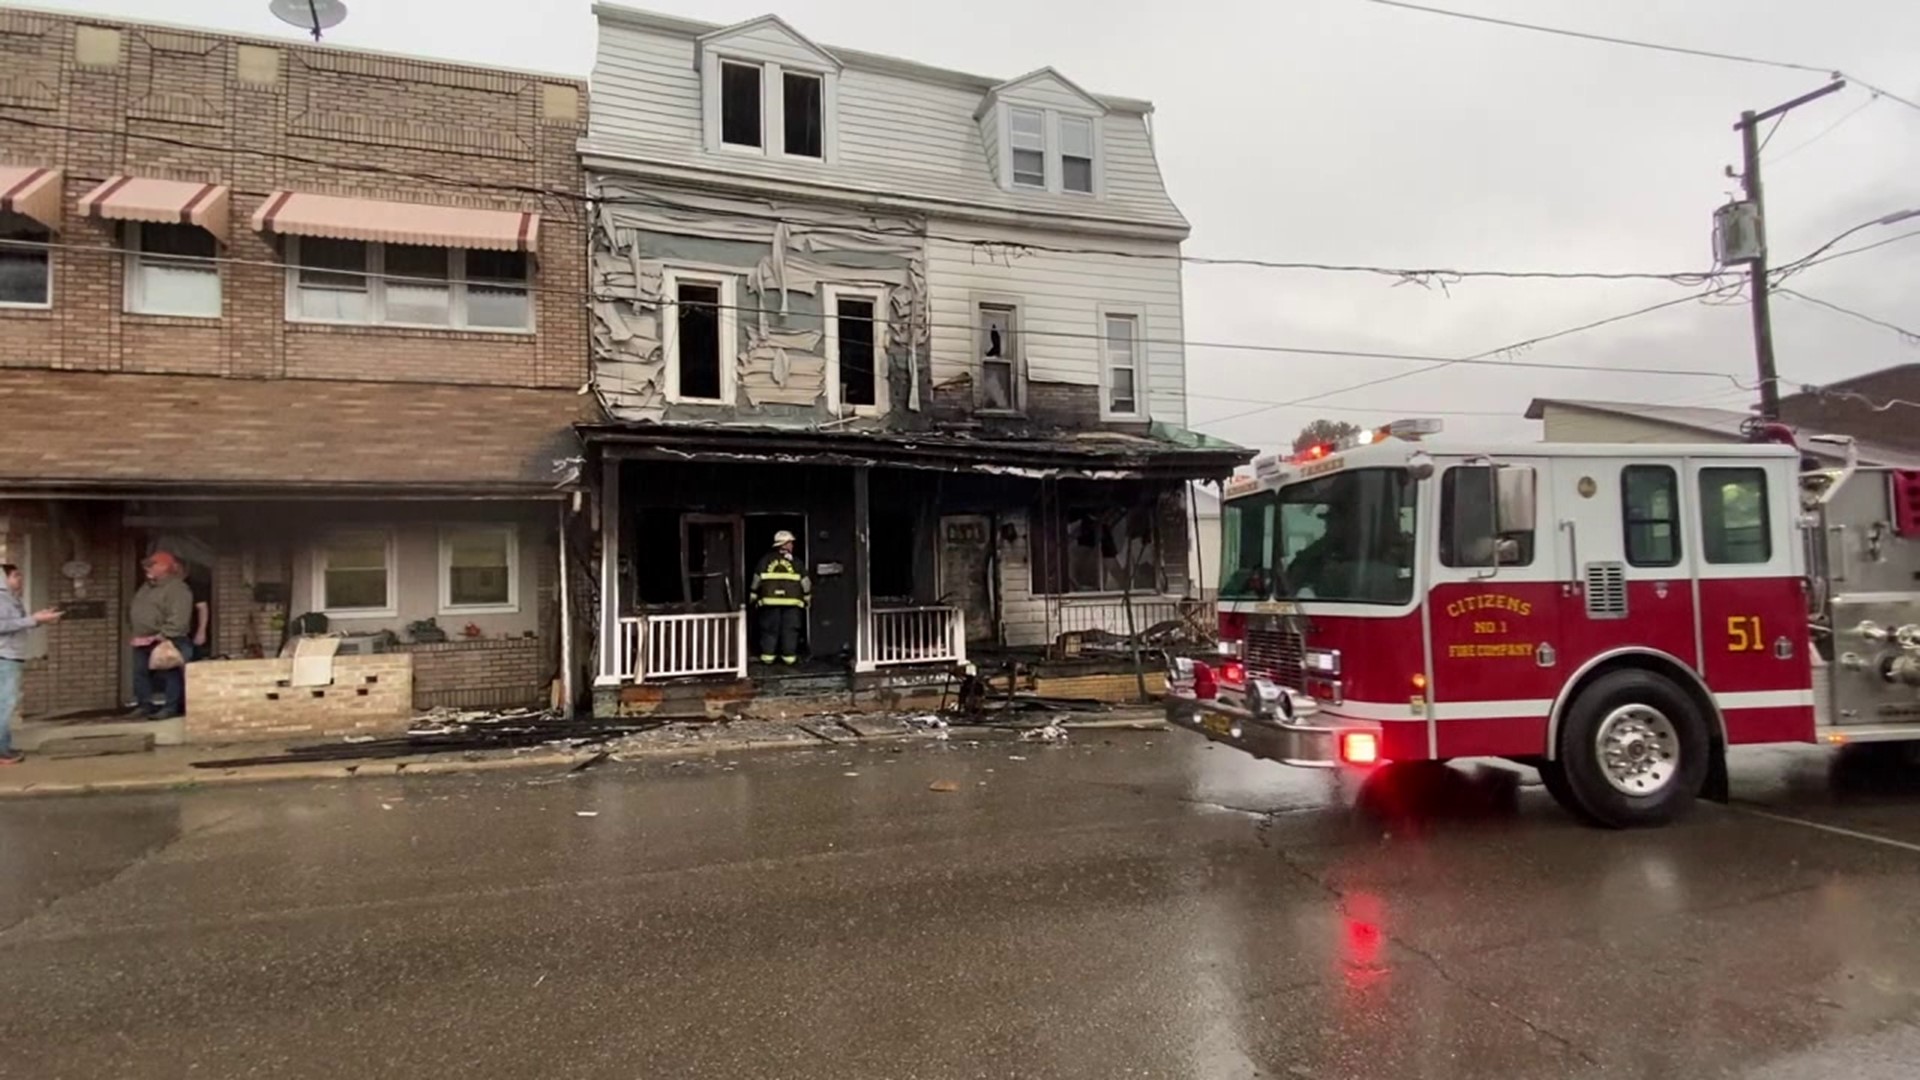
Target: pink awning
{"type": "Point", "coordinates": [296, 213]}
{"type": "Point", "coordinates": [31, 192]}
{"type": "Point", "coordinates": [162, 202]}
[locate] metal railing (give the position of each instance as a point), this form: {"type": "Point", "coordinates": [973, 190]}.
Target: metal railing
{"type": "Point", "coordinates": [1110, 614]}
{"type": "Point", "coordinates": [916, 635]}
{"type": "Point", "coordinates": [654, 647]}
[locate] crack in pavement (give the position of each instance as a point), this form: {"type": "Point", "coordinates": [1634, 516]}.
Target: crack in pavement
{"type": "Point", "coordinates": [140, 859]}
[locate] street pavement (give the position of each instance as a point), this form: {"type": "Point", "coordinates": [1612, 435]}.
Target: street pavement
{"type": "Point", "coordinates": [1130, 904]}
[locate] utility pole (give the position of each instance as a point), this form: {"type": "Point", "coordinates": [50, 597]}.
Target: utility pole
{"type": "Point", "coordinates": [1749, 129]}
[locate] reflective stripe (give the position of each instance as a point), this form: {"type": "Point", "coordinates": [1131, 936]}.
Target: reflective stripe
{"type": "Point", "coordinates": [782, 601]}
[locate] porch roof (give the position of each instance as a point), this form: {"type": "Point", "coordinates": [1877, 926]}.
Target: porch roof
{"type": "Point", "coordinates": [1165, 452]}
{"type": "Point", "coordinates": [93, 433]}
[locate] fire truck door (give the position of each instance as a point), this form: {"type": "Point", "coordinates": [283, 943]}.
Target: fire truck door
{"type": "Point", "coordinates": [1753, 623]}
{"type": "Point", "coordinates": [1627, 560]}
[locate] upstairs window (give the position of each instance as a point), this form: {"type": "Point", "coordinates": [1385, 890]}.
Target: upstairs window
{"type": "Point", "coordinates": [803, 113]}
{"type": "Point", "coordinates": [856, 347]}
{"type": "Point", "coordinates": [1028, 134]}
{"type": "Point", "coordinates": [356, 281]}
{"type": "Point", "coordinates": [26, 267]}
{"type": "Point", "coordinates": [700, 343]}
{"type": "Point", "coordinates": [999, 356]}
{"type": "Point", "coordinates": [1076, 154]}
{"type": "Point", "coordinates": [1120, 362]}
{"type": "Point", "coordinates": [740, 105]}
{"type": "Point", "coordinates": [171, 271]}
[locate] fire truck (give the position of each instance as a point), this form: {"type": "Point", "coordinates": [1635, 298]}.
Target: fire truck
{"type": "Point", "coordinates": [1614, 616]}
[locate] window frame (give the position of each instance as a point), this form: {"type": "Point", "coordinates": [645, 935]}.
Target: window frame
{"type": "Point", "coordinates": [45, 248]}
{"type": "Point", "coordinates": [133, 289]}
{"type": "Point", "coordinates": [448, 532]}
{"type": "Point", "coordinates": [773, 107]}
{"type": "Point", "coordinates": [830, 296]}
{"type": "Point", "coordinates": [670, 281]}
{"type": "Point", "coordinates": [818, 77]}
{"type": "Point", "coordinates": [1092, 156]}
{"type": "Point", "coordinates": [1061, 542]}
{"type": "Point", "coordinates": [1047, 173]}
{"type": "Point", "coordinates": [760, 70]}
{"type": "Point", "coordinates": [1628, 521]}
{"type": "Point", "coordinates": [1707, 473]}
{"type": "Point", "coordinates": [979, 303]}
{"type": "Point", "coordinates": [1141, 410]}
{"type": "Point", "coordinates": [1447, 552]}
{"type": "Point", "coordinates": [321, 601]}
{"type": "Point", "coordinates": [376, 278]}
{"type": "Point", "coordinates": [1053, 164]}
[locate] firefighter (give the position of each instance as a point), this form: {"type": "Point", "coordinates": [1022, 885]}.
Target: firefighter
{"type": "Point", "coordinates": [781, 591]}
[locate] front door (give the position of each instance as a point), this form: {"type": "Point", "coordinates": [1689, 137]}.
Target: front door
{"type": "Point", "coordinates": [965, 541]}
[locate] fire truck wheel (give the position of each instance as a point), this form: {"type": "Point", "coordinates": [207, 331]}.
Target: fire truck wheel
{"type": "Point", "coordinates": [1634, 750]}
{"type": "Point", "coordinates": [1553, 777]}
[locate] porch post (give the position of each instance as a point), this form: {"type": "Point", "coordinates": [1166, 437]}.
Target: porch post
{"type": "Point", "coordinates": [610, 672]}
{"type": "Point", "coordinates": [862, 557]}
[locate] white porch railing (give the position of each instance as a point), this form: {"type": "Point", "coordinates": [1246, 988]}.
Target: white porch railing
{"type": "Point", "coordinates": [918, 635]}
{"type": "Point", "coordinates": [654, 647]}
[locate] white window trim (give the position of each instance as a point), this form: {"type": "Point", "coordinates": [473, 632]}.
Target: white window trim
{"type": "Point", "coordinates": [319, 598]}
{"type": "Point", "coordinates": [131, 291]}
{"type": "Point", "coordinates": [1141, 410]}
{"type": "Point", "coordinates": [512, 606]}
{"type": "Point", "coordinates": [45, 246]}
{"type": "Point", "coordinates": [670, 282]}
{"type": "Point", "coordinates": [377, 295]}
{"type": "Point", "coordinates": [1048, 174]}
{"type": "Point", "coordinates": [976, 362]}
{"type": "Point", "coordinates": [1055, 171]}
{"type": "Point", "coordinates": [773, 116]}
{"type": "Point", "coordinates": [830, 297]}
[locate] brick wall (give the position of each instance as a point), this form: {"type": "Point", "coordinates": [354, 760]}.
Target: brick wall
{"type": "Point", "coordinates": [240, 699]}
{"type": "Point", "coordinates": [80, 671]}
{"type": "Point", "coordinates": [493, 673]}
{"type": "Point", "coordinates": [98, 98]}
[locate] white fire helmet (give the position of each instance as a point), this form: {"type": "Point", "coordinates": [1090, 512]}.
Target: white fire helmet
{"type": "Point", "coordinates": [782, 538]}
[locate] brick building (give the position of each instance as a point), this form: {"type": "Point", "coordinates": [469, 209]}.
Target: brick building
{"type": "Point", "coordinates": [313, 319]}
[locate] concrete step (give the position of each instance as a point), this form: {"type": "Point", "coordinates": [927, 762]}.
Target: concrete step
{"type": "Point", "coordinates": [33, 734]}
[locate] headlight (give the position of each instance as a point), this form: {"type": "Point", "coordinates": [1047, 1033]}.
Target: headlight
{"type": "Point", "coordinates": [1230, 648]}
{"type": "Point", "coordinates": [1323, 661]}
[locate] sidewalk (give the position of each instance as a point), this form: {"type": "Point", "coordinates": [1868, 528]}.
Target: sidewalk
{"type": "Point", "coordinates": [170, 768]}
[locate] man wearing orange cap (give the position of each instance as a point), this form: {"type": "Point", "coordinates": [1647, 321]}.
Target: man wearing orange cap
{"type": "Point", "coordinates": [161, 611]}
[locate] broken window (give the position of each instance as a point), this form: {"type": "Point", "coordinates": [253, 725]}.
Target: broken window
{"type": "Point", "coordinates": [1027, 130]}
{"type": "Point", "coordinates": [1108, 549]}
{"type": "Point", "coordinates": [697, 317]}
{"type": "Point", "coordinates": [740, 104]}
{"type": "Point", "coordinates": [1121, 348]}
{"type": "Point", "coordinates": [1076, 154]}
{"type": "Point", "coordinates": [859, 350]}
{"type": "Point", "coordinates": [999, 356]}
{"type": "Point", "coordinates": [172, 271]}
{"type": "Point", "coordinates": [802, 113]}
{"type": "Point", "coordinates": [25, 274]}
{"type": "Point", "coordinates": [892, 548]}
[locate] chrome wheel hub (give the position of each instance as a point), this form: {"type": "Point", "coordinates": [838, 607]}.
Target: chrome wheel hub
{"type": "Point", "coordinates": [1639, 749]}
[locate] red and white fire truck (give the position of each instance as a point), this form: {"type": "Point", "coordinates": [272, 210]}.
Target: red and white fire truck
{"type": "Point", "coordinates": [1615, 616]}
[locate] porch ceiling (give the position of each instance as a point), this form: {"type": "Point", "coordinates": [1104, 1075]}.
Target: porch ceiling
{"type": "Point", "coordinates": [97, 433]}
{"type": "Point", "coordinates": [1099, 455]}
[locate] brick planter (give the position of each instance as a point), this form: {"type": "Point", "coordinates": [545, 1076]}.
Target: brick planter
{"type": "Point", "coordinates": [487, 673]}
{"type": "Point", "coordinates": [240, 699]}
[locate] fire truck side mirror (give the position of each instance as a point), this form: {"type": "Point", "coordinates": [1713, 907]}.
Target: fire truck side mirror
{"type": "Point", "coordinates": [1515, 499]}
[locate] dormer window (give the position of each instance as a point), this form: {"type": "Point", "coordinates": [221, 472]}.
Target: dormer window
{"type": "Point", "coordinates": [803, 113]}
{"type": "Point", "coordinates": [1028, 137]}
{"type": "Point", "coordinates": [766, 90]}
{"type": "Point", "coordinates": [1076, 154]}
{"type": "Point", "coordinates": [740, 105]}
{"type": "Point", "coordinates": [1042, 133]}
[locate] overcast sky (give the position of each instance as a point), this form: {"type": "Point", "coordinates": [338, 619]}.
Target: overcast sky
{"type": "Point", "coordinates": [1341, 131]}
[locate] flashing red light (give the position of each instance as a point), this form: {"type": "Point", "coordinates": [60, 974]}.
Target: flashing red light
{"type": "Point", "coordinates": [1359, 748]}
{"type": "Point", "coordinates": [1233, 673]}
{"type": "Point", "coordinates": [1205, 687]}
{"type": "Point", "coordinates": [1317, 451]}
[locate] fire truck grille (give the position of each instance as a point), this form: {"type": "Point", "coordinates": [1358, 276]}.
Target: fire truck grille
{"type": "Point", "coordinates": [1279, 654]}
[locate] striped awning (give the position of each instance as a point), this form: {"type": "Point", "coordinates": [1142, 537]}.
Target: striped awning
{"type": "Point", "coordinates": [162, 202]}
{"type": "Point", "coordinates": [297, 213]}
{"type": "Point", "coordinates": [31, 192]}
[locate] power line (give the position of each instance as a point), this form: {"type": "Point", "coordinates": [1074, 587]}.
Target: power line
{"type": "Point", "coordinates": [1909, 336]}
{"type": "Point", "coordinates": [1872, 99]}
{"type": "Point", "coordinates": [1709, 54]}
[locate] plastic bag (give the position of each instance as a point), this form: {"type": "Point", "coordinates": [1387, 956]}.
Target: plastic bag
{"type": "Point", "coordinates": [165, 657]}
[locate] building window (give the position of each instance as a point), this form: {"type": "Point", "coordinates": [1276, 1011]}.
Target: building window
{"type": "Point", "coordinates": [1733, 516]}
{"type": "Point", "coordinates": [171, 271]}
{"type": "Point", "coordinates": [701, 343]}
{"type": "Point", "coordinates": [1027, 132]}
{"type": "Point", "coordinates": [1104, 549]}
{"type": "Point", "coordinates": [1076, 154]}
{"type": "Point", "coordinates": [1650, 512]}
{"type": "Point", "coordinates": [803, 113]}
{"type": "Point", "coordinates": [856, 347]}
{"type": "Point", "coordinates": [999, 356]}
{"type": "Point", "coordinates": [1466, 522]}
{"type": "Point", "coordinates": [353, 574]}
{"type": "Point", "coordinates": [356, 281]}
{"type": "Point", "coordinates": [740, 105]}
{"type": "Point", "coordinates": [479, 570]}
{"type": "Point", "coordinates": [26, 267]}
{"type": "Point", "coordinates": [1120, 352]}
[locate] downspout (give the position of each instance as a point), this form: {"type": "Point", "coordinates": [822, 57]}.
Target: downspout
{"type": "Point", "coordinates": [566, 614]}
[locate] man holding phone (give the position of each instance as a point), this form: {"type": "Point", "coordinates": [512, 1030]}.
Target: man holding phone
{"type": "Point", "coordinates": [14, 624]}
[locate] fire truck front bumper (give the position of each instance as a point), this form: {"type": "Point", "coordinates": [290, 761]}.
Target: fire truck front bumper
{"type": "Point", "coordinates": [1298, 741]}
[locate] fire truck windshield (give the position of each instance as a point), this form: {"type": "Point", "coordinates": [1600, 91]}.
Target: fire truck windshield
{"type": "Point", "coordinates": [1345, 538]}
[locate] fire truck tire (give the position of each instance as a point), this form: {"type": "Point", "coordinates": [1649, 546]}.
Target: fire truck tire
{"type": "Point", "coordinates": [1553, 777]}
{"type": "Point", "coordinates": [1633, 749]}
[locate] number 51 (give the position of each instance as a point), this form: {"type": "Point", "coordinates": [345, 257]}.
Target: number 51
{"type": "Point", "coordinates": [1743, 633]}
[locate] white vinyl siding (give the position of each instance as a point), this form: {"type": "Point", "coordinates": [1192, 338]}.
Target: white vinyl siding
{"type": "Point", "coordinates": [887, 134]}
{"type": "Point", "coordinates": [1062, 299]}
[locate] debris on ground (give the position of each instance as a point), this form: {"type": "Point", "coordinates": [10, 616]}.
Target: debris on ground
{"type": "Point", "coordinates": [944, 786]}
{"type": "Point", "coordinates": [445, 730]}
{"type": "Point", "coordinates": [1052, 732]}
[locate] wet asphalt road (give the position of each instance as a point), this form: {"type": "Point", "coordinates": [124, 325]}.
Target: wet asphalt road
{"type": "Point", "coordinates": [1133, 905]}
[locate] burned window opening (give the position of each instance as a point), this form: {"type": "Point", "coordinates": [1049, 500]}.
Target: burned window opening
{"type": "Point", "coordinates": [858, 384]}
{"type": "Point", "coordinates": [698, 321]}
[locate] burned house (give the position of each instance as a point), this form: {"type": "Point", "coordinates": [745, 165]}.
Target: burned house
{"type": "Point", "coordinates": [928, 322]}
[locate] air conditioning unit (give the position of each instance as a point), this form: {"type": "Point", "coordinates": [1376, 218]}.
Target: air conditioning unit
{"type": "Point", "coordinates": [1736, 234]}
{"type": "Point", "coordinates": [362, 644]}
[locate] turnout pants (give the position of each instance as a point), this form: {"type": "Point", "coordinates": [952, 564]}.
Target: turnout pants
{"type": "Point", "coordinates": [780, 632]}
